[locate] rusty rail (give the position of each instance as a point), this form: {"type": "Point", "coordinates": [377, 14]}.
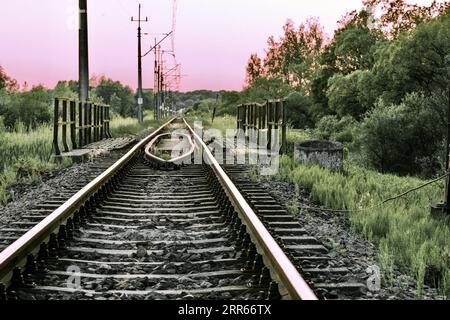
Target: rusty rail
{"type": "Point", "coordinates": [42, 236]}
{"type": "Point", "coordinates": [291, 283]}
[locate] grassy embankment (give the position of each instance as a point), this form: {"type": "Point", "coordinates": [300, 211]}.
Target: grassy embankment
{"type": "Point", "coordinates": [408, 237]}
{"type": "Point", "coordinates": [27, 155]}
{"type": "Point", "coordinates": [220, 123]}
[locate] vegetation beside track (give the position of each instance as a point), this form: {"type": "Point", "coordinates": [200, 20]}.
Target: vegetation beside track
{"type": "Point", "coordinates": [26, 155]}
{"type": "Point", "coordinates": [408, 237]}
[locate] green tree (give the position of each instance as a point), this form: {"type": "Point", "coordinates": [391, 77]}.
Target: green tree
{"type": "Point", "coordinates": [299, 110]}
{"type": "Point", "coordinates": [398, 17]}
{"type": "Point", "coordinates": [354, 49]}
{"type": "Point", "coordinates": [406, 138]}
{"type": "Point", "coordinates": [30, 108]}
{"type": "Point", "coordinates": [349, 95]}
{"type": "Point", "coordinates": [254, 69]}
{"type": "Point", "coordinates": [106, 88]}
{"type": "Point", "coordinates": [266, 88]}
{"type": "Point", "coordinates": [6, 82]}
{"type": "Point", "coordinates": [64, 90]}
{"type": "Point", "coordinates": [416, 63]}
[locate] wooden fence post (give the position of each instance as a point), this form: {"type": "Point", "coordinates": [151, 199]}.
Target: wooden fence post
{"type": "Point", "coordinates": [102, 121]}
{"type": "Point", "coordinates": [107, 121]}
{"type": "Point", "coordinates": [269, 124]}
{"type": "Point", "coordinates": [56, 127]}
{"type": "Point", "coordinates": [80, 124]}
{"type": "Point", "coordinates": [72, 113]}
{"type": "Point", "coordinates": [90, 122]}
{"type": "Point", "coordinates": [96, 133]}
{"type": "Point", "coordinates": [284, 128]}
{"type": "Point", "coordinates": [64, 125]}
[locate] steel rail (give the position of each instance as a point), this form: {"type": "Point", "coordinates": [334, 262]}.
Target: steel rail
{"type": "Point", "coordinates": [17, 253]}
{"type": "Point", "coordinates": [287, 273]}
{"type": "Point", "coordinates": [176, 160]}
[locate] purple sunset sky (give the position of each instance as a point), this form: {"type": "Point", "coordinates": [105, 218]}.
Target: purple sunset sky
{"type": "Point", "coordinates": [214, 38]}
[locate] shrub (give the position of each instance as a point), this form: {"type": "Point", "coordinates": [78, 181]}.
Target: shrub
{"type": "Point", "coordinates": [405, 138]}
{"type": "Point", "coordinates": [332, 128]}
{"type": "Point", "coordinates": [299, 110]}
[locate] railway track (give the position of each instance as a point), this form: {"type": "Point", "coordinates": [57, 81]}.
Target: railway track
{"type": "Point", "coordinates": [139, 232]}
{"type": "Point", "coordinates": [50, 202]}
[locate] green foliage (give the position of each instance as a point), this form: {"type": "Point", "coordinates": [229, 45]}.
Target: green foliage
{"type": "Point", "coordinates": [228, 102]}
{"type": "Point", "coordinates": [335, 129]}
{"type": "Point", "coordinates": [407, 235]}
{"type": "Point", "coordinates": [287, 57]}
{"type": "Point", "coordinates": [31, 108]}
{"type": "Point", "coordinates": [399, 17]}
{"type": "Point", "coordinates": [416, 63]}
{"type": "Point", "coordinates": [354, 48]}
{"type": "Point", "coordinates": [7, 83]}
{"type": "Point", "coordinates": [299, 110]}
{"type": "Point", "coordinates": [24, 155]}
{"type": "Point", "coordinates": [120, 97]}
{"type": "Point", "coordinates": [342, 95]}
{"type": "Point", "coordinates": [121, 126]}
{"type": "Point", "coordinates": [405, 138]}
{"type": "Point", "coordinates": [64, 89]}
{"type": "Point", "coordinates": [266, 88]}
{"type": "Point", "coordinates": [27, 155]}
{"type": "Point", "coordinates": [254, 69]}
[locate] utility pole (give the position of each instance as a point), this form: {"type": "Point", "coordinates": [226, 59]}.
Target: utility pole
{"type": "Point", "coordinates": [155, 82]}
{"type": "Point", "coordinates": [160, 98]}
{"type": "Point", "coordinates": [140, 99]}
{"type": "Point", "coordinates": [83, 53]}
{"type": "Point", "coordinates": [83, 69]}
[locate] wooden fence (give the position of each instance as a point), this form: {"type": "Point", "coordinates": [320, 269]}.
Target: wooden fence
{"type": "Point", "coordinates": [264, 118]}
{"type": "Point", "coordinates": [94, 126]}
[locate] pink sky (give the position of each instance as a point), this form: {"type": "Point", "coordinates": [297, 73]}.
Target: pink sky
{"type": "Point", "coordinates": [214, 38]}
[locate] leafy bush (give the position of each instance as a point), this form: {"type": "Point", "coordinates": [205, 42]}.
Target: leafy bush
{"type": "Point", "coordinates": [351, 95]}
{"type": "Point", "coordinates": [405, 138]}
{"type": "Point", "coordinates": [299, 110]}
{"type": "Point", "coordinates": [333, 128]}
{"type": "Point", "coordinates": [32, 108]}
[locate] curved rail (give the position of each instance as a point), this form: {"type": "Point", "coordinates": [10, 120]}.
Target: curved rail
{"type": "Point", "coordinates": [176, 160]}
{"type": "Point", "coordinates": [17, 253]}
{"type": "Point", "coordinates": [288, 276]}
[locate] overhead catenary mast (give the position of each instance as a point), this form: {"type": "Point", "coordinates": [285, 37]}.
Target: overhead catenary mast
{"type": "Point", "coordinates": [83, 53]}
{"type": "Point", "coordinates": [83, 65]}
{"type": "Point", "coordinates": [140, 95]}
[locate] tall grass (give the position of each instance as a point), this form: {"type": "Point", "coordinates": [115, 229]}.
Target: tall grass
{"type": "Point", "coordinates": [27, 155]}
{"type": "Point", "coordinates": [407, 236]}
{"type": "Point", "coordinates": [24, 156]}
{"type": "Point", "coordinates": [130, 126]}
{"type": "Point", "coordinates": [222, 124]}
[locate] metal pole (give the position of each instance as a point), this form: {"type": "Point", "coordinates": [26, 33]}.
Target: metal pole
{"type": "Point", "coordinates": [83, 56]}
{"type": "Point", "coordinates": [155, 83]}
{"type": "Point", "coordinates": [140, 96]}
